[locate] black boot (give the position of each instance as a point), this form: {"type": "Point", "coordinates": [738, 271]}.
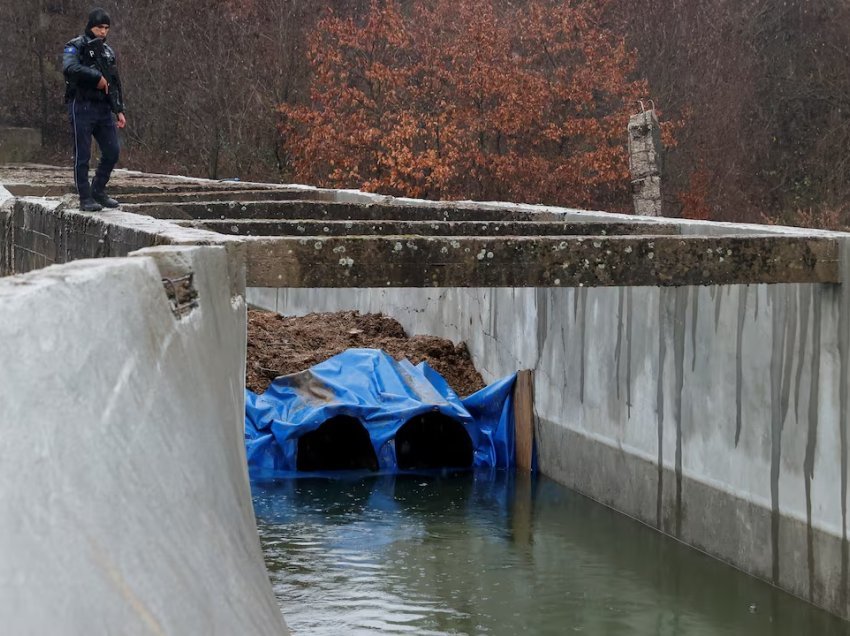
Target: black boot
{"type": "Point", "coordinates": [90, 205]}
{"type": "Point", "coordinates": [104, 199]}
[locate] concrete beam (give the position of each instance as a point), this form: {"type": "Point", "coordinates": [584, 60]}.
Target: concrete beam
{"type": "Point", "coordinates": [316, 210]}
{"type": "Point", "coordinates": [266, 194]}
{"type": "Point", "coordinates": [262, 227]}
{"type": "Point", "coordinates": [566, 261]}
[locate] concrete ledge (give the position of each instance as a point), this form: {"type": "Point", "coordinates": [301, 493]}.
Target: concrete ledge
{"type": "Point", "coordinates": [565, 261]}
{"type": "Point", "coordinates": [270, 193]}
{"type": "Point", "coordinates": [317, 210]}
{"type": "Point", "coordinates": [46, 231]}
{"type": "Point", "coordinates": [262, 227]}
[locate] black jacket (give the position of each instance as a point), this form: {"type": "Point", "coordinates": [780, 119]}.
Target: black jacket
{"type": "Point", "coordinates": [81, 66]}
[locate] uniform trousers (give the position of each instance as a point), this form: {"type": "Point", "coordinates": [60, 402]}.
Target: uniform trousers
{"type": "Point", "coordinates": [93, 119]}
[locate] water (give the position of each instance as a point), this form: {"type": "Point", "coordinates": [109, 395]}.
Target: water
{"type": "Point", "coordinates": [488, 554]}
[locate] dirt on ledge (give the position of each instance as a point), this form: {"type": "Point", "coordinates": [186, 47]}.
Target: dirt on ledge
{"type": "Point", "coordinates": [279, 345]}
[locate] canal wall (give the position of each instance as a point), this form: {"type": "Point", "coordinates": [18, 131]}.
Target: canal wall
{"type": "Point", "coordinates": [125, 505]}
{"type": "Point", "coordinates": [716, 414]}
{"type": "Point", "coordinates": [38, 232]}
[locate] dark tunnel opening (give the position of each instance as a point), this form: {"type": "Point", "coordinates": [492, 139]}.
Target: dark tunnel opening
{"type": "Point", "coordinates": [340, 443]}
{"type": "Point", "coordinates": [433, 440]}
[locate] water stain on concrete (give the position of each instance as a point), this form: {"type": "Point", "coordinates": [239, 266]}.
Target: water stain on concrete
{"type": "Point", "coordinates": [581, 316]}
{"type": "Point", "coordinates": [781, 361]}
{"type": "Point", "coordinates": [679, 324]}
{"type": "Point", "coordinates": [694, 325]}
{"type": "Point", "coordinates": [739, 356]}
{"type": "Point", "coordinates": [621, 301]}
{"type": "Point", "coordinates": [844, 389]}
{"type": "Point", "coordinates": [659, 402]}
{"type": "Point", "coordinates": [541, 296]}
{"type": "Point", "coordinates": [804, 302]}
{"type": "Point", "coordinates": [629, 324]}
{"type": "Point", "coordinates": [718, 305]}
{"type": "Point", "coordinates": [812, 431]}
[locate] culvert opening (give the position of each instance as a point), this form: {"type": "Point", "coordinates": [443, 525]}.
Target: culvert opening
{"type": "Point", "coordinates": [433, 440]}
{"type": "Point", "coordinates": [340, 443]}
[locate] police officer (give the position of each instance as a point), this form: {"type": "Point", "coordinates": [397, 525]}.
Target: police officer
{"type": "Point", "coordinates": [95, 102]}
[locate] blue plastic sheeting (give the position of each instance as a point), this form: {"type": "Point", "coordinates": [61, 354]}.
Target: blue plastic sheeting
{"type": "Point", "coordinates": [383, 394]}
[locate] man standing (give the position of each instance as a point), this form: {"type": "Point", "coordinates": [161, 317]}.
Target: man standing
{"type": "Point", "coordinates": [95, 101]}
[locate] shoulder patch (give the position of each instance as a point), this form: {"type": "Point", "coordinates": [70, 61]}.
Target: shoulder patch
{"type": "Point", "coordinates": [70, 49]}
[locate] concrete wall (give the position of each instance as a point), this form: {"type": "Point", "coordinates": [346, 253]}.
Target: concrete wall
{"type": "Point", "coordinates": [125, 505]}
{"type": "Point", "coordinates": [41, 232]}
{"type": "Point", "coordinates": [717, 414]}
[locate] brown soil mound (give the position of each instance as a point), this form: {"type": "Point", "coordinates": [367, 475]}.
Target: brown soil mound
{"type": "Point", "coordinates": [280, 345]}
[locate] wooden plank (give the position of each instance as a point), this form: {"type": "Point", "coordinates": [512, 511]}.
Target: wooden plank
{"type": "Point", "coordinates": [524, 420]}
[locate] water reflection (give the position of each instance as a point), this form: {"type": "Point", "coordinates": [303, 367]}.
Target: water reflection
{"type": "Point", "coordinates": [490, 553]}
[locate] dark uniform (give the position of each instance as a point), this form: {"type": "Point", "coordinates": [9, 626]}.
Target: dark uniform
{"type": "Point", "coordinates": [91, 111]}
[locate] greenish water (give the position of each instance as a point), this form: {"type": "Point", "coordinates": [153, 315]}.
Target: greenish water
{"type": "Point", "coordinates": [487, 554]}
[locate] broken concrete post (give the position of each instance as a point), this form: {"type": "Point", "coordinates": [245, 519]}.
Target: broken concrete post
{"type": "Point", "coordinates": [645, 159]}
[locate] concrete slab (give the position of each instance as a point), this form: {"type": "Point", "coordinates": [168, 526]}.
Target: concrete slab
{"type": "Point", "coordinates": [566, 261]}
{"type": "Point", "coordinates": [245, 194]}
{"type": "Point", "coordinates": [262, 227]}
{"type": "Point", "coordinates": [313, 210]}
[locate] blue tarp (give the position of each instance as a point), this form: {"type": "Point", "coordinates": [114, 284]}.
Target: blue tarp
{"type": "Point", "coordinates": [383, 394]}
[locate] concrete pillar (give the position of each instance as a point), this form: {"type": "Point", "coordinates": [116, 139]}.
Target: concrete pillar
{"type": "Point", "coordinates": [645, 162]}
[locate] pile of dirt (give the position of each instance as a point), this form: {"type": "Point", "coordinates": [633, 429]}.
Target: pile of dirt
{"type": "Point", "coordinates": [280, 345]}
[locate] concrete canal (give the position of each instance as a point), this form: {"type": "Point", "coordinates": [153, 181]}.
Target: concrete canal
{"type": "Point", "coordinates": [491, 554]}
{"type": "Point", "coordinates": [690, 375]}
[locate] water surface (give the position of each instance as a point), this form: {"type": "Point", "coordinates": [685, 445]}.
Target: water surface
{"type": "Point", "coordinates": [490, 554]}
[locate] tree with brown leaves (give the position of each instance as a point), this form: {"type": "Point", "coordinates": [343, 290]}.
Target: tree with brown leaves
{"type": "Point", "coordinates": [466, 98]}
